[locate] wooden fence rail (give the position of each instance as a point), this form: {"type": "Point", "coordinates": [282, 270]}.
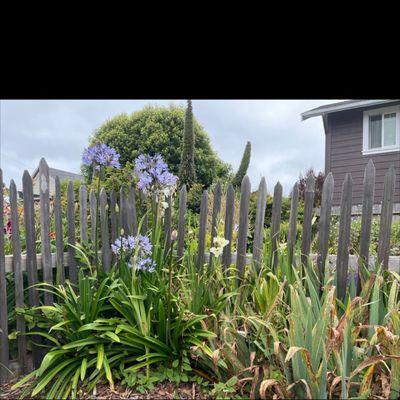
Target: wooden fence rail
{"type": "Point", "coordinates": [113, 211]}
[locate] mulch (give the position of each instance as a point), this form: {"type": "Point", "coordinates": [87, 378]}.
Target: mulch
{"type": "Point", "coordinates": [165, 390]}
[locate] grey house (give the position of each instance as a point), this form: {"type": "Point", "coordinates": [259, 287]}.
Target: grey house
{"type": "Point", "coordinates": [53, 172]}
{"type": "Point", "coordinates": [356, 131]}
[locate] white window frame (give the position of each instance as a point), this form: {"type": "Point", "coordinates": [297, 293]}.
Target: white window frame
{"type": "Point", "coordinates": [383, 149]}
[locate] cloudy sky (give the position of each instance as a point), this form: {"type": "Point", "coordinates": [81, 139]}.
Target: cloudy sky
{"type": "Point", "coordinates": [282, 145]}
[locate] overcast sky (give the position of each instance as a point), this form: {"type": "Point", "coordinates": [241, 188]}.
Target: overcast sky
{"type": "Point", "coordinates": [282, 145]}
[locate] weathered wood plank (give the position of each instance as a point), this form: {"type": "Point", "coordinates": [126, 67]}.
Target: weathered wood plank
{"type": "Point", "coordinates": [113, 216]}
{"type": "Point", "coordinates": [59, 233]}
{"type": "Point", "coordinates": [386, 218]}
{"type": "Point", "coordinates": [143, 203]}
{"type": "Point", "coordinates": [228, 228]}
{"type": "Point", "coordinates": [243, 225]}
{"type": "Point", "coordinates": [105, 237]}
{"type": "Point", "coordinates": [123, 210]}
{"type": "Point", "coordinates": [307, 219]}
{"type": "Point", "coordinates": [215, 214]}
{"type": "Point", "coordinates": [168, 223]}
{"type": "Point", "coordinates": [276, 224]}
{"type": "Point", "coordinates": [18, 277]}
{"type": "Point", "coordinates": [31, 265]}
{"type": "Point", "coordinates": [324, 225]}
{"type": "Point", "coordinates": [131, 212]}
{"type": "Point", "coordinates": [4, 345]}
{"type": "Point", "coordinates": [202, 230]}
{"type": "Point", "coordinates": [83, 213]}
{"type": "Point", "coordinates": [73, 271]}
{"type": "Point", "coordinates": [366, 218]}
{"type": "Point", "coordinates": [44, 190]}
{"type": "Point", "coordinates": [342, 262]}
{"type": "Point", "coordinates": [259, 224]}
{"type": "Point", "coordinates": [93, 215]}
{"type": "Point", "coordinates": [182, 221]}
{"type": "Point", "coordinates": [292, 232]}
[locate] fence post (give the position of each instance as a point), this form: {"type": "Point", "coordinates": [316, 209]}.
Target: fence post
{"type": "Point", "coordinates": [243, 225]}
{"type": "Point", "coordinates": [324, 225]}
{"type": "Point", "coordinates": [73, 271]}
{"type": "Point", "coordinates": [83, 213]}
{"type": "Point", "coordinates": [123, 223]}
{"type": "Point", "coordinates": [202, 230]}
{"type": "Point", "coordinates": [93, 215]}
{"type": "Point", "coordinates": [276, 224]}
{"type": "Point", "coordinates": [105, 238]}
{"type": "Point", "coordinates": [31, 263]}
{"type": "Point", "coordinates": [259, 224]}
{"type": "Point", "coordinates": [307, 219]}
{"type": "Point", "coordinates": [386, 218]}
{"type": "Point", "coordinates": [366, 219]}
{"type": "Point", "coordinates": [18, 277]}
{"type": "Point", "coordinates": [214, 218]}
{"type": "Point", "coordinates": [143, 203]}
{"type": "Point", "coordinates": [59, 233]}
{"type": "Point", "coordinates": [292, 232]}
{"type": "Point", "coordinates": [45, 227]}
{"type": "Point", "coordinates": [228, 229]}
{"type": "Point", "coordinates": [342, 260]}
{"type": "Point", "coordinates": [4, 347]}
{"type": "Point", "coordinates": [181, 221]}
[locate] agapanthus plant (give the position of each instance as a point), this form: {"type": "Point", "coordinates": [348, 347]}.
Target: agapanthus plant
{"type": "Point", "coordinates": [101, 155]}
{"type": "Point", "coordinates": [135, 249]}
{"type": "Point", "coordinates": [154, 176]}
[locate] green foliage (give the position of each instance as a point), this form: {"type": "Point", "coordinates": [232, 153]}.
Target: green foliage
{"type": "Point", "coordinates": [156, 129]}
{"type": "Point", "coordinates": [244, 165]}
{"type": "Point", "coordinates": [187, 173]}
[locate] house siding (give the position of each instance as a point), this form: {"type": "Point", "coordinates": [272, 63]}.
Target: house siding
{"type": "Point", "coordinates": [344, 142]}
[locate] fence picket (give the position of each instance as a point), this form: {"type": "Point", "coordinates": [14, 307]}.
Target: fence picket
{"type": "Point", "coordinates": [181, 221]}
{"type": "Point", "coordinates": [4, 346]}
{"type": "Point", "coordinates": [123, 222]}
{"type": "Point", "coordinates": [73, 271]}
{"type": "Point", "coordinates": [202, 230]}
{"type": "Point", "coordinates": [243, 225]}
{"type": "Point", "coordinates": [228, 229]}
{"type": "Point", "coordinates": [93, 215]}
{"type": "Point", "coordinates": [131, 212]}
{"type": "Point", "coordinates": [386, 218]}
{"type": "Point", "coordinates": [342, 261]}
{"type": "Point", "coordinates": [292, 232]}
{"type": "Point", "coordinates": [276, 224]}
{"type": "Point", "coordinates": [366, 218]}
{"type": "Point", "coordinates": [83, 213]}
{"type": "Point", "coordinates": [215, 214]}
{"type": "Point", "coordinates": [60, 276]}
{"type": "Point", "coordinates": [44, 189]}
{"type": "Point", "coordinates": [31, 263]}
{"type": "Point", "coordinates": [307, 219]}
{"type": "Point", "coordinates": [113, 216]}
{"type": "Point", "coordinates": [143, 202]}
{"type": "Point", "coordinates": [105, 237]}
{"type": "Point", "coordinates": [324, 225]}
{"type": "Point", "coordinates": [168, 223]}
{"type": "Point", "coordinates": [259, 223]}
{"type": "Point", "coordinates": [18, 277]}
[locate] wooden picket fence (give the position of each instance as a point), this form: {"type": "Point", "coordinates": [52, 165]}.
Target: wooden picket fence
{"type": "Point", "coordinates": [112, 219]}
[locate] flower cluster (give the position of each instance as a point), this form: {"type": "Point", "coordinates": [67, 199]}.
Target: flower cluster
{"type": "Point", "coordinates": [138, 247]}
{"type": "Point", "coordinates": [154, 176]}
{"type": "Point", "coordinates": [219, 244]}
{"type": "Point", "coordinates": [101, 155]}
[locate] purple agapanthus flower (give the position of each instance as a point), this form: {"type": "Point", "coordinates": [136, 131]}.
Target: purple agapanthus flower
{"type": "Point", "coordinates": [153, 174]}
{"type": "Point", "coordinates": [138, 246]}
{"type": "Point", "coordinates": [101, 155]}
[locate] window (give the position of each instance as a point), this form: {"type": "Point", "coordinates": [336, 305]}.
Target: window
{"type": "Point", "coordinates": [381, 130]}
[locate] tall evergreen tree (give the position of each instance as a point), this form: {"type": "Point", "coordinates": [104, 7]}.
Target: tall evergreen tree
{"type": "Point", "coordinates": [244, 164]}
{"type": "Point", "coordinates": [187, 173]}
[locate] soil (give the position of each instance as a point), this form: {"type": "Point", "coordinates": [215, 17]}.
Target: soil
{"type": "Point", "coordinates": [185, 391]}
